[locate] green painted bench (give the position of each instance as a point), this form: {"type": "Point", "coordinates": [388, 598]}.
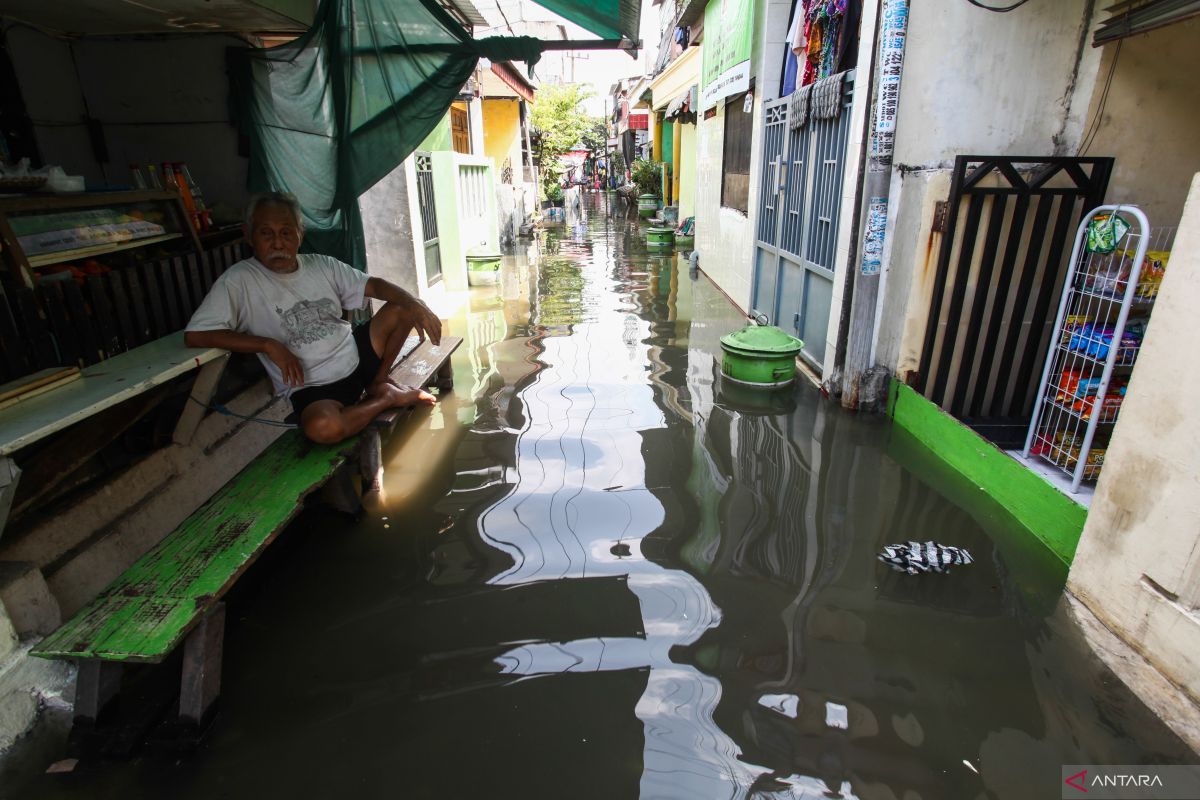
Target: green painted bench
{"type": "Point", "coordinates": [174, 592]}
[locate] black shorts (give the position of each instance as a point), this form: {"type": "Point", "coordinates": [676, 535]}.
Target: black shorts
{"type": "Point", "coordinates": [348, 390]}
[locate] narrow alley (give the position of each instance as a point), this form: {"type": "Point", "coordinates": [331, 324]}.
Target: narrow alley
{"type": "Point", "coordinates": [602, 572]}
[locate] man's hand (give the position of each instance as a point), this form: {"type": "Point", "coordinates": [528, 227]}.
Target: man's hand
{"type": "Point", "coordinates": [425, 322]}
{"type": "Point", "coordinates": [289, 365]}
{"type": "Point", "coordinates": [417, 315]}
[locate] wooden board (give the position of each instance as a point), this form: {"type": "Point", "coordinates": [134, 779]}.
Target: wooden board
{"type": "Point", "coordinates": [23, 386]}
{"type": "Point", "coordinates": [419, 366]}
{"type": "Point", "coordinates": [145, 613]}
{"type": "Point", "coordinates": [102, 385]}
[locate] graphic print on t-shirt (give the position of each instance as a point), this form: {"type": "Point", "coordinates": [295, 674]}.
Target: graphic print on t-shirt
{"type": "Point", "coordinates": [310, 321]}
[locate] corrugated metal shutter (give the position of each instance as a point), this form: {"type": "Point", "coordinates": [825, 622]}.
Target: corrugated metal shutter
{"type": "Point", "coordinates": [1131, 17]}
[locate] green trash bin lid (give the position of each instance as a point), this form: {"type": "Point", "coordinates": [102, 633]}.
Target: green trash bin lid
{"type": "Point", "coordinates": [765, 339]}
{"type": "Point", "coordinates": [481, 253]}
{"type": "Point", "coordinates": [648, 197]}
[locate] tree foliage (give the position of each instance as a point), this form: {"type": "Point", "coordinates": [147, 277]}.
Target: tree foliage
{"type": "Point", "coordinates": [558, 126]}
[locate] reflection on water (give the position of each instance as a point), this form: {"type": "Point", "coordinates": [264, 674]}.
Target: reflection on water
{"type": "Point", "coordinates": [605, 573]}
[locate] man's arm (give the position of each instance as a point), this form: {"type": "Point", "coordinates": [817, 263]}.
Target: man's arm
{"type": "Point", "coordinates": [419, 316]}
{"type": "Point", "coordinates": [286, 360]}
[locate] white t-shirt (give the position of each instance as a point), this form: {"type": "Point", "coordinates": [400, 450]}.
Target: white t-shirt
{"type": "Point", "coordinates": [301, 309]}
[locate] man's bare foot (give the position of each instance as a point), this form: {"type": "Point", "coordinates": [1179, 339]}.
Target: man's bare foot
{"type": "Point", "coordinates": [401, 395]}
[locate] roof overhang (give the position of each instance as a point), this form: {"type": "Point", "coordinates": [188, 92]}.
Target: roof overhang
{"type": "Point", "coordinates": [1130, 17]}
{"type": "Point", "coordinates": [674, 81]}
{"type": "Point", "coordinates": [109, 18]}
{"type": "Point", "coordinates": [512, 78]}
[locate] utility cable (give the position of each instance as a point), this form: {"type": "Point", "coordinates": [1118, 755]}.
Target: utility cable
{"type": "Point", "coordinates": [998, 9]}
{"type": "Point", "coordinates": [222, 409]}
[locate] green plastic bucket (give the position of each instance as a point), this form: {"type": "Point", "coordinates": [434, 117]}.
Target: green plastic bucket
{"type": "Point", "coordinates": [760, 355]}
{"type": "Point", "coordinates": [483, 269]}
{"type": "Point", "coordinates": [660, 237]}
{"type": "Point", "coordinates": [647, 205]}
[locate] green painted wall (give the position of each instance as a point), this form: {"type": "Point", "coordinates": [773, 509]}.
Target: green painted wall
{"type": "Point", "coordinates": [1040, 508]}
{"type": "Point", "coordinates": [687, 172]}
{"type": "Point", "coordinates": [439, 138]}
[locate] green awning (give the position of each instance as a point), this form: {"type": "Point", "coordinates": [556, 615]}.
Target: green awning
{"type": "Point", "coordinates": [608, 19]}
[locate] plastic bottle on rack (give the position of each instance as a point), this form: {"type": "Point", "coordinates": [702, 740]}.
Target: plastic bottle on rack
{"type": "Point", "coordinates": [191, 192]}
{"type": "Point", "coordinates": [152, 177]}
{"type": "Point", "coordinates": [135, 173]}
{"type": "Point", "coordinates": [185, 193]}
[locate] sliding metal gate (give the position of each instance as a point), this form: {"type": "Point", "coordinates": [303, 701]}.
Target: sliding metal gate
{"type": "Point", "coordinates": [1007, 238]}
{"type": "Point", "coordinates": [799, 205]}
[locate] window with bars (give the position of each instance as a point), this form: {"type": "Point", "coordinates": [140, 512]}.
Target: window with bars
{"type": "Point", "coordinates": [735, 162]}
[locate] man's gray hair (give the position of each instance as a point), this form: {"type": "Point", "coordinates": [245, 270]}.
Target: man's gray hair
{"type": "Point", "coordinates": [269, 199]}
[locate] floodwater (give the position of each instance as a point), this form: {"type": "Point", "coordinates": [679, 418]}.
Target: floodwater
{"type": "Point", "coordinates": [602, 573]}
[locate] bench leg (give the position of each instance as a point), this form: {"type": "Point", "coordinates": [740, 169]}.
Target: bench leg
{"type": "Point", "coordinates": [96, 684]}
{"type": "Point", "coordinates": [370, 465]}
{"type": "Point", "coordinates": [340, 493]}
{"type": "Point", "coordinates": [202, 667]}
{"type": "Point", "coordinates": [444, 380]}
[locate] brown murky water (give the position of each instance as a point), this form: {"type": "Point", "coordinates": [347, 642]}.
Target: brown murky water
{"type": "Point", "coordinates": [602, 573]}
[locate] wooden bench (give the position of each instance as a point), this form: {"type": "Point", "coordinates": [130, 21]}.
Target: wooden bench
{"type": "Point", "coordinates": [174, 592]}
{"type": "Point", "coordinates": [102, 386]}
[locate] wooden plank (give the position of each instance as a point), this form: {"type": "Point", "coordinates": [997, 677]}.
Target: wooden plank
{"type": "Point", "coordinates": [418, 368]}
{"type": "Point", "coordinates": [103, 385]}
{"type": "Point", "coordinates": [154, 299]}
{"type": "Point", "coordinates": [12, 345]}
{"type": "Point", "coordinates": [29, 383]}
{"type": "Point", "coordinates": [82, 322]}
{"type": "Point", "coordinates": [121, 309]}
{"type": "Point", "coordinates": [102, 313]}
{"type": "Point", "coordinates": [60, 323]}
{"type": "Point", "coordinates": [77, 253]}
{"type": "Point", "coordinates": [194, 278]}
{"type": "Point", "coordinates": [41, 344]}
{"type": "Point", "coordinates": [208, 272]}
{"type": "Point", "coordinates": [187, 303]}
{"type": "Point", "coordinates": [201, 395]}
{"type": "Point", "coordinates": [201, 679]}
{"type": "Point", "coordinates": [63, 202]}
{"type": "Point", "coordinates": [137, 299]}
{"type": "Point", "coordinates": [146, 612]}
{"type": "Point", "coordinates": [166, 272]}
{"type": "Point", "coordinates": [61, 378]}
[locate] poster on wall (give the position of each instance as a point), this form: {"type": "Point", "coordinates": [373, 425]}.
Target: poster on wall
{"type": "Point", "coordinates": [728, 35]}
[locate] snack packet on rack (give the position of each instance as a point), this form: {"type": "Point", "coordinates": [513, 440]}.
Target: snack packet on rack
{"type": "Point", "coordinates": [1105, 231]}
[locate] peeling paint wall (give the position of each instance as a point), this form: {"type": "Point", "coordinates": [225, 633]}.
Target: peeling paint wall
{"type": "Point", "coordinates": [1137, 567]}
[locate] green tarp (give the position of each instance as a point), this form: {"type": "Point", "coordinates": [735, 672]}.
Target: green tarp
{"type": "Point", "coordinates": [608, 19]}
{"type": "Point", "coordinates": [330, 114]}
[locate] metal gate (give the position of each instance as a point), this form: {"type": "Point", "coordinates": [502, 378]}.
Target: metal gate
{"type": "Point", "coordinates": [799, 205]}
{"type": "Point", "coordinates": [429, 224]}
{"type": "Point", "coordinates": [1007, 237]}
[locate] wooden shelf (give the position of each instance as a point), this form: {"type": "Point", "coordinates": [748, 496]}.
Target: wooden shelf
{"type": "Point", "coordinates": [74, 254]}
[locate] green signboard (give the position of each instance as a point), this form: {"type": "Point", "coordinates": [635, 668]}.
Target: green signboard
{"type": "Point", "coordinates": [728, 36]}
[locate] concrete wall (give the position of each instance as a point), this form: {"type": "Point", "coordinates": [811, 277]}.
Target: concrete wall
{"type": "Point", "coordinates": [980, 82]}
{"type": "Point", "coordinates": [502, 132]}
{"type": "Point", "coordinates": [687, 172]}
{"type": "Point", "coordinates": [1138, 567]}
{"type": "Point", "coordinates": [975, 82]}
{"type": "Point", "coordinates": [1150, 118]}
{"type": "Point", "coordinates": [156, 99]}
{"type": "Point", "coordinates": [388, 228]}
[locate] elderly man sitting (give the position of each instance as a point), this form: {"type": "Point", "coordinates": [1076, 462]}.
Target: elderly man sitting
{"type": "Point", "coordinates": [287, 308]}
